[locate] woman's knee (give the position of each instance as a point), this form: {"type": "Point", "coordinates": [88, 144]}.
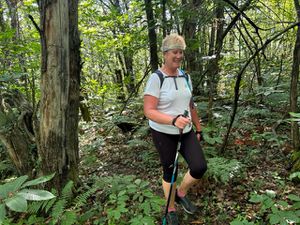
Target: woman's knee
{"type": "Point", "coordinates": [198, 171]}
{"type": "Point", "coordinates": [168, 173]}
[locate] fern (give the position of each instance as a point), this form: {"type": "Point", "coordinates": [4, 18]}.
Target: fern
{"type": "Point", "coordinates": [67, 192]}
{"type": "Point", "coordinates": [223, 170]}
{"type": "Point", "coordinates": [58, 210]}
{"type": "Point", "coordinates": [57, 205]}
{"type": "Point", "coordinates": [81, 199]}
{"type": "Point", "coordinates": [60, 206]}
{"type": "Point", "coordinates": [37, 206]}
{"type": "Point", "coordinates": [69, 218]}
{"type": "Point", "coordinates": [138, 143]}
{"type": "Point", "coordinates": [142, 131]}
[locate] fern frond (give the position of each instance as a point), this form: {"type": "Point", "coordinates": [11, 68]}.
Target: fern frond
{"type": "Point", "coordinates": [138, 143]}
{"type": "Point", "coordinates": [34, 207]}
{"type": "Point", "coordinates": [67, 191]}
{"type": "Point", "coordinates": [69, 218]}
{"type": "Point", "coordinates": [81, 199]}
{"type": "Point", "coordinates": [48, 204]}
{"type": "Point", "coordinates": [223, 170]}
{"type": "Point", "coordinates": [58, 210]}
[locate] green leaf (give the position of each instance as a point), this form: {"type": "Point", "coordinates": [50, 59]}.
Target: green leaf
{"type": "Point", "coordinates": [294, 175]}
{"type": "Point", "coordinates": [297, 115]}
{"type": "Point", "coordinates": [11, 186]}
{"type": "Point", "coordinates": [39, 180]}
{"type": "Point", "coordinates": [35, 195]}
{"type": "Point", "coordinates": [138, 181]}
{"type": "Point", "coordinates": [17, 183]}
{"type": "Point", "coordinates": [17, 203]}
{"type": "Point", "coordinates": [2, 213]}
{"type": "Point", "coordinates": [255, 198]}
{"type": "Point", "coordinates": [294, 198]}
{"type": "Point", "coordinates": [274, 219]}
{"type": "Point", "coordinates": [283, 204]}
{"type": "Point", "coordinates": [296, 205]}
{"type": "Point", "coordinates": [148, 194]}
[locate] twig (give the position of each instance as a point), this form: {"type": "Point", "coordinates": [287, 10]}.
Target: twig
{"type": "Point", "coordinates": [239, 78]}
{"type": "Point", "coordinates": [35, 24]}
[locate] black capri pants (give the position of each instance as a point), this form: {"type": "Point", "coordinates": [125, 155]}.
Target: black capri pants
{"type": "Point", "coordinates": [190, 149]}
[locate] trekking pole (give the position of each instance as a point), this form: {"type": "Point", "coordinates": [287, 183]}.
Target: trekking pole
{"type": "Point", "coordinates": [185, 114]}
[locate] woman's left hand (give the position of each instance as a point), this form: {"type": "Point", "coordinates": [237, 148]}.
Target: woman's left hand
{"type": "Point", "coordinates": [199, 135]}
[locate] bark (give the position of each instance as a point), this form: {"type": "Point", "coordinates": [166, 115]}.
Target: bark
{"type": "Point", "coordinates": [164, 18]}
{"type": "Point", "coordinates": [151, 35]}
{"type": "Point", "coordinates": [119, 81]}
{"type": "Point", "coordinates": [294, 93]}
{"type": "Point", "coordinates": [60, 81]}
{"type": "Point", "coordinates": [16, 131]}
{"type": "Point", "coordinates": [126, 57]}
{"type": "Point", "coordinates": [13, 12]}
{"type": "Point", "coordinates": [189, 30]}
{"type": "Point", "coordinates": [2, 21]}
{"type": "Point", "coordinates": [215, 50]}
{"type": "Point", "coordinates": [129, 75]}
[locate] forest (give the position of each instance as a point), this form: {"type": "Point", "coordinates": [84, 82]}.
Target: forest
{"type": "Point", "coordinates": [75, 145]}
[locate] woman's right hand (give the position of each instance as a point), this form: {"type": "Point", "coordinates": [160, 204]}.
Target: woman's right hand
{"type": "Point", "coordinates": [182, 121]}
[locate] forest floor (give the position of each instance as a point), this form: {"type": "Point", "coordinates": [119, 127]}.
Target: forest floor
{"type": "Point", "coordinates": [265, 169]}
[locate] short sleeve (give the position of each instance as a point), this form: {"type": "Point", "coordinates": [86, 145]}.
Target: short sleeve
{"type": "Point", "coordinates": [153, 86]}
{"type": "Point", "coordinates": [190, 83]}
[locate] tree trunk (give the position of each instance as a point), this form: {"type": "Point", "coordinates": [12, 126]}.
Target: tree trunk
{"type": "Point", "coordinates": [14, 21]}
{"type": "Point", "coordinates": [2, 21]}
{"type": "Point", "coordinates": [213, 65]}
{"type": "Point", "coordinates": [151, 35]}
{"type": "Point", "coordinates": [128, 73]}
{"type": "Point", "coordinates": [294, 93]}
{"type": "Point", "coordinates": [60, 81]}
{"type": "Point", "coordinates": [16, 131]}
{"type": "Point", "coordinates": [189, 28]}
{"type": "Point", "coordinates": [165, 29]}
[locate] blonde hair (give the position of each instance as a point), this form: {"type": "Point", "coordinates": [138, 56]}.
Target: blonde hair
{"type": "Point", "coordinates": [173, 41]}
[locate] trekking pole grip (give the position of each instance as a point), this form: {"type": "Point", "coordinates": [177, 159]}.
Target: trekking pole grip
{"type": "Point", "coordinates": [185, 114]}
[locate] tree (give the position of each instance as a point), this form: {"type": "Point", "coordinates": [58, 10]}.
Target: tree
{"type": "Point", "coordinates": [60, 81]}
{"type": "Point", "coordinates": [294, 92]}
{"type": "Point", "coordinates": [152, 35]}
{"type": "Point", "coordinates": [16, 131]}
{"type": "Point", "coordinates": [189, 31]}
{"type": "Point", "coordinates": [2, 23]}
{"type": "Point", "coordinates": [215, 50]}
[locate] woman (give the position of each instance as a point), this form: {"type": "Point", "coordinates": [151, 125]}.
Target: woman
{"type": "Point", "coordinates": [163, 106]}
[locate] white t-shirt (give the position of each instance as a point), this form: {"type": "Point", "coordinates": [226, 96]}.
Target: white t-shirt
{"type": "Point", "coordinates": [173, 99]}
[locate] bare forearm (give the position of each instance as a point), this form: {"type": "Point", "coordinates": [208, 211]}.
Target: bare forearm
{"type": "Point", "coordinates": [159, 117]}
{"type": "Point", "coordinates": [195, 119]}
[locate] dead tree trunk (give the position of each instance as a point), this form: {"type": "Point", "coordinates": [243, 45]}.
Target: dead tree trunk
{"type": "Point", "coordinates": [16, 131]}
{"type": "Point", "coordinates": [60, 81]}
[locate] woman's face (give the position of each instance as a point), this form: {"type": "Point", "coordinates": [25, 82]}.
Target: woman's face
{"type": "Point", "coordinates": [173, 58]}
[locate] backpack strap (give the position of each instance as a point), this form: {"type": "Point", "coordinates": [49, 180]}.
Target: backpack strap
{"type": "Point", "coordinates": [186, 76]}
{"type": "Point", "coordinates": [161, 77]}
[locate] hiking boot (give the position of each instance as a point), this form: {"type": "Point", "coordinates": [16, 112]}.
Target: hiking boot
{"type": "Point", "coordinates": [172, 218]}
{"type": "Point", "coordinates": [186, 204]}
